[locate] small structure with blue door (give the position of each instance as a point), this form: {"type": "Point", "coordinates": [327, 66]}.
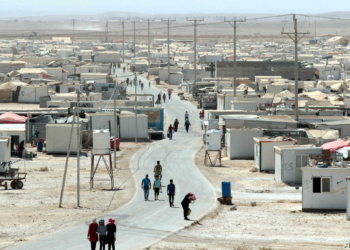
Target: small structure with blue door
{"type": "Point", "coordinates": [155, 116]}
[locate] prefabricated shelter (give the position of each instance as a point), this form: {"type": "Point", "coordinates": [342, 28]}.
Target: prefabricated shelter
{"type": "Point", "coordinates": [98, 121]}
{"type": "Point", "coordinates": [240, 143]}
{"type": "Point", "coordinates": [155, 117]}
{"type": "Point", "coordinates": [348, 198]}
{"type": "Point", "coordinates": [324, 188]}
{"type": "Point", "coordinates": [5, 149]}
{"type": "Point", "coordinates": [264, 151]}
{"type": "Point", "coordinates": [244, 105]}
{"type": "Point", "coordinates": [32, 93]}
{"type": "Point", "coordinates": [107, 57]}
{"type": "Point", "coordinates": [290, 159]}
{"type": "Point", "coordinates": [58, 136]}
{"type": "Point", "coordinates": [17, 133]}
{"type": "Point", "coordinates": [128, 126]}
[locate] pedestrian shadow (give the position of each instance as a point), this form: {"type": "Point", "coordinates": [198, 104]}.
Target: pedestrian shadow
{"type": "Point", "coordinates": [113, 190]}
{"type": "Point", "coordinates": [175, 207]}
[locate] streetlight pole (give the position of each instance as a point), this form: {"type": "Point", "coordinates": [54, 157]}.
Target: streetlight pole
{"type": "Point", "coordinates": [234, 26]}
{"type": "Point", "coordinates": [149, 43]}
{"type": "Point", "coordinates": [78, 150]}
{"type": "Point", "coordinates": [168, 22]}
{"type": "Point", "coordinates": [136, 107]}
{"type": "Point", "coordinates": [195, 21]}
{"type": "Point", "coordinates": [296, 64]}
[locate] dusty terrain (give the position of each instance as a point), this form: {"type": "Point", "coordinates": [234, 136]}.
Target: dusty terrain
{"type": "Point", "coordinates": [33, 212]}
{"type": "Point", "coordinates": [276, 222]}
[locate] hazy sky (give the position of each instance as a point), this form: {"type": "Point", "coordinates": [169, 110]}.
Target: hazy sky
{"type": "Point", "coordinates": [19, 8]}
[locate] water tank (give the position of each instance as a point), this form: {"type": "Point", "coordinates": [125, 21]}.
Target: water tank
{"type": "Point", "coordinates": [101, 142]}
{"type": "Point", "coordinates": [226, 189]}
{"type": "Point", "coordinates": [213, 140]}
{"type": "Point", "coordinates": [213, 124]}
{"type": "Point", "coordinates": [186, 66]}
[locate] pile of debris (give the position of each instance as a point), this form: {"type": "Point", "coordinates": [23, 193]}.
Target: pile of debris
{"type": "Point", "coordinates": [225, 200]}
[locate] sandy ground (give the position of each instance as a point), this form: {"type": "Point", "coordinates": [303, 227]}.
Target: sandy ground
{"type": "Point", "coordinates": [276, 222]}
{"type": "Point", "coordinates": [33, 212]}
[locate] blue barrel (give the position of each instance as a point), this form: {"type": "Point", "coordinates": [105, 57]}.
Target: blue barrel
{"type": "Point", "coordinates": [226, 189]}
{"type": "Point", "coordinates": [40, 146]}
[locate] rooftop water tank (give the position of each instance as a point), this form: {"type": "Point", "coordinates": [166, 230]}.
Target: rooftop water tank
{"type": "Point", "coordinates": [213, 140]}
{"type": "Point", "coordinates": [101, 142]}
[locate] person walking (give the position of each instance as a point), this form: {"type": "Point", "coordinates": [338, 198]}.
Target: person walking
{"type": "Point", "coordinates": [142, 86]}
{"type": "Point", "coordinates": [92, 235]}
{"type": "Point", "coordinates": [111, 234]}
{"type": "Point", "coordinates": [164, 97]}
{"type": "Point", "coordinates": [146, 186]}
{"type": "Point", "coordinates": [149, 84]}
{"type": "Point", "coordinates": [171, 193]}
{"type": "Point", "coordinates": [139, 82]}
{"type": "Point", "coordinates": [102, 232]}
{"type": "Point", "coordinates": [186, 204]}
{"type": "Point", "coordinates": [187, 125]}
{"type": "Point", "coordinates": [124, 69]}
{"type": "Point", "coordinates": [158, 170]}
{"type": "Point", "coordinates": [127, 81]}
{"type": "Point", "coordinates": [187, 115]}
{"type": "Point", "coordinates": [176, 124]}
{"type": "Point", "coordinates": [169, 93]}
{"type": "Point", "coordinates": [157, 185]}
{"type": "Point", "coordinates": [203, 113]}
{"type": "Point", "coordinates": [170, 131]}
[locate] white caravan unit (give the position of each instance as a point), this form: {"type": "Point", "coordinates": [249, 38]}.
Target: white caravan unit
{"type": "Point", "coordinates": [5, 150]}
{"type": "Point", "coordinates": [240, 143]}
{"type": "Point", "coordinates": [128, 126]}
{"type": "Point", "coordinates": [58, 136]}
{"type": "Point", "coordinates": [264, 151]}
{"type": "Point", "coordinates": [290, 159]}
{"type": "Point", "coordinates": [348, 198]}
{"type": "Point", "coordinates": [324, 188]}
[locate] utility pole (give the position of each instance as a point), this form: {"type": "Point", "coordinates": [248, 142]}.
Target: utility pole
{"type": "Point", "coordinates": [73, 29]}
{"type": "Point", "coordinates": [136, 107]}
{"type": "Point", "coordinates": [234, 26]}
{"type": "Point", "coordinates": [134, 22]}
{"type": "Point", "coordinates": [107, 31]}
{"type": "Point", "coordinates": [195, 21]}
{"type": "Point", "coordinates": [168, 22]}
{"type": "Point", "coordinates": [67, 159]}
{"type": "Point", "coordinates": [122, 22]}
{"type": "Point", "coordinates": [296, 65]}
{"type": "Point", "coordinates": [78, 150]}
{"type": "Point", "coordinates": [116, 94]}
{"type": "Point", "coordinates": [149, 42]}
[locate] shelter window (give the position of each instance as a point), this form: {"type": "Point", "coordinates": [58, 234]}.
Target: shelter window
{"type": "Point", "coordinates": [302, 160]}
{"type": "Point", "coordinates": [326, 185]}
{"type": "Point", "coordinates": [321, 184]}
{"type": "Point", "coordinates": [104, 88]}
{"type": "Point", "coordinates": [71, 90]}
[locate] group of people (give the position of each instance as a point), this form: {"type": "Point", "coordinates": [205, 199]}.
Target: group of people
{"type": "Point", "coordinates": [105, 234]}
{"type": "Point", "coordinates": [157, 187]}
{"type": "Point", "coordinates": [173, 128]}
{"type": "Point", "coordinates": [141, 84]}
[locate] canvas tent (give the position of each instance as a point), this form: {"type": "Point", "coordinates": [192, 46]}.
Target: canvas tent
{"type": "Point", "coordinates": [334, 145]}
{"type": "Point", "coordinates": [9, 117]}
